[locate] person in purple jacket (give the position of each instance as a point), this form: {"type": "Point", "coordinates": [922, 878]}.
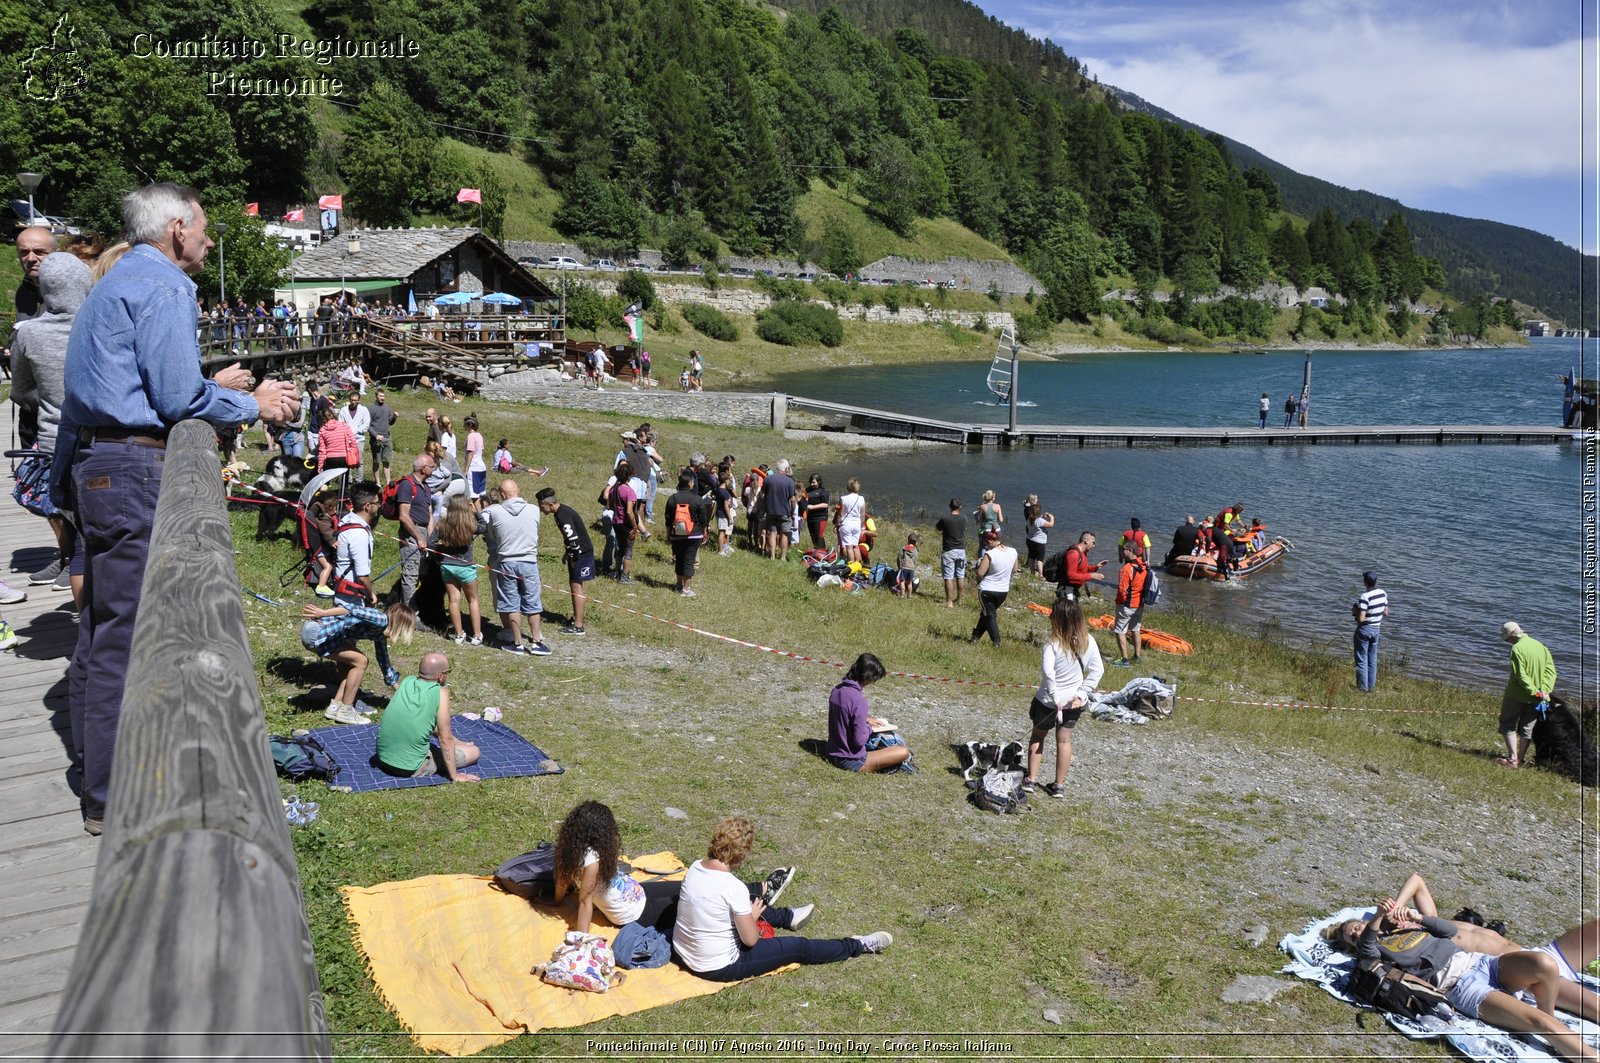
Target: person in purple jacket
{"type": "Point", "coordinates": [850, 727]}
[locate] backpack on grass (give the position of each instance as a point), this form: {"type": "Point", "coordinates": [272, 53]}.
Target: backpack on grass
{"type": "Point", "coordinates": [302, 758]}
{"type": "Point", "coordinates": [532, 875]}
{"type": "Point", "coordinates": [1388, 988]}
{"type": "Point", "coordinates": [999, 792]}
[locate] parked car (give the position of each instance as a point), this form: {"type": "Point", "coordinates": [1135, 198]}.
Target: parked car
{"type": "Point", "coordinates": [741, 272]}
{"type": "Point", "coordinates": [57, 225]}
{"type": "Point", "coordinates": [805, 275]}
{"type": "Point", "coordinates": [604, 265]}
{"type": "Point", "coordinates": [563, 262]}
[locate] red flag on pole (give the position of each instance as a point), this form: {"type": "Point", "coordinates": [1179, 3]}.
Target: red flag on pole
{"type": "Point", "coordinates": [295, 215]}
{"type": "Point", "coordinates": [331, 202]}
{"type": "Point", "coordinates": [253, 209]}
{"type": "Point", "coordinates": [470, 195]}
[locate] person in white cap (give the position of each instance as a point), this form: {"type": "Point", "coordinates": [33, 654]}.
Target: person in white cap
{"type": "Point", "coordinates": [1527, 696]}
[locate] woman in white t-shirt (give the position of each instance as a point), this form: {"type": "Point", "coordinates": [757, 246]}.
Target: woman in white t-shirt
{"type": "Point", "coordinates": [717, 936]}
{"type": "Point", "coordinates": [588, 847]}
{"type": "Point", "coordinates": [995, 569]}
{"type": "Point", "coordinates": [850, 515]}
{"type": "Point", "coordinates": [1069, 671]}
{"type": "Point", "coordinates": [447, 437]}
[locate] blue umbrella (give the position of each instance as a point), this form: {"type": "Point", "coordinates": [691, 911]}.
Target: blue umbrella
{"type": "Point", "coordinates": [457, 298]}
{"type": "Point", "coordinates": [502, 299]}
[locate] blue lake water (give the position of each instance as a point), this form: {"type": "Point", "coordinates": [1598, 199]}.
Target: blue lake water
{"type": "Point", "coordinates": [1464, 536]}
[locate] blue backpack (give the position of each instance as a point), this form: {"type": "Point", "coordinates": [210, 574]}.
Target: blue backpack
{"type": "Point", "coordinates": [302, 758]}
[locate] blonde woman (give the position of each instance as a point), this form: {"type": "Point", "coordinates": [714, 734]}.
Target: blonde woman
{"type": "Point", "coordinates": [453, 541]}
{"type": "Point", "coordinates": [1071, 668]}
{"type": "Point", "coordinates": [989, 515]}
{"type": "Point", "coordinates": [717, 936]}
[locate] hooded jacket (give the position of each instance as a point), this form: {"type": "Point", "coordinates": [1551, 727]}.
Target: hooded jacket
{"type": "Point", "coordinates": [39, 351]}
{"type": "Point", "coordinates": [512, 530]}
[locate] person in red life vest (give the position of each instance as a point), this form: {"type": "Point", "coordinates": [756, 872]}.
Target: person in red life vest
{"type": "Point", "coordinates": [1137, 538]}
{"type": "Point", "coordinates": [1078, 571]}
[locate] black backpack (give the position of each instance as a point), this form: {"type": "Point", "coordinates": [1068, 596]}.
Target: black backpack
{"type": "Point", "coordinates": [1388, 988]}
{"type": "Point", "coordinates": [1055, 568]}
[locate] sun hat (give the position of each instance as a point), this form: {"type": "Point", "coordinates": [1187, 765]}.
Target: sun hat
{"type": "Point", "coordinates": [1511, 631]}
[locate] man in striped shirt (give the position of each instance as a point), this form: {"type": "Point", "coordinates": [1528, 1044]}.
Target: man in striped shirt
{"type": "Point", "coordinates": [1369, 610]}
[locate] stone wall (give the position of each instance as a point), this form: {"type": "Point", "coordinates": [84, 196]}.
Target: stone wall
{"type": "Point", "coordinates": [737, 409]}
{"type": "Point", "coordinates": [749, 302]}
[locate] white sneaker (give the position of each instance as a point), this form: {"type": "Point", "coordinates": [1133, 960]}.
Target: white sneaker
{"type": "Point", "coordinates": [476, 640]}
{"type": "Point", "coordinates": [10, 595]}
{"type": "Point", "coordinates": [344, 714]}
{"type": "Point", "coordinates": [875, 942]}
{"type": "Point", "coordinates": [801, 916]}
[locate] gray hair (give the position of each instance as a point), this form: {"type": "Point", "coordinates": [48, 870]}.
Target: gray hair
{"type": "Point", "coordinates": [147, 211]}
{"type": "Point", "coordinates": [783, 465]}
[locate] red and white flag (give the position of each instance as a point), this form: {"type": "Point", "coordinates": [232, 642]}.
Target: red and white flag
{"type": "Point", "coordinates": [295, 215]}
{"type": "Point", "coordinates": [470, 195]}
{"type": "Point", "coordinates": [253, 209]}
{"type": "Point", "coordinates": [331, 202]}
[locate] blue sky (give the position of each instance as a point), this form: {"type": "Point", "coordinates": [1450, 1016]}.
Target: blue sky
{"type": "Point", "coordinates": [1469, 106]}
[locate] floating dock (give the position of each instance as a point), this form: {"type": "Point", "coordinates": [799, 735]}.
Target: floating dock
{"type": "Point", "coordinates": [840, 417]}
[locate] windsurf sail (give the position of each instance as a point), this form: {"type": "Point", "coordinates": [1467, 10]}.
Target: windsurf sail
{"type": "Point", "coordinates": [1000, 370]}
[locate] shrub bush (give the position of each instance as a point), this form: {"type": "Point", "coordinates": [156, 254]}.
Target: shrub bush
{"type": "Point", "coordinates": [635, 287]}
{"type": "Point", "coordinates": [709, 321]}
{"type": "Point", "coordinates": [793, 324]}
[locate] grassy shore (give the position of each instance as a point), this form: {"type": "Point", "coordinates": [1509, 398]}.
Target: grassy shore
{"type": "Point", "coordinates": [1120, 910]}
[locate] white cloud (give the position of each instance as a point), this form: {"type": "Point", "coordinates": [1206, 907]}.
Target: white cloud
{"type": "Point", "coordinates": [1353, 91]}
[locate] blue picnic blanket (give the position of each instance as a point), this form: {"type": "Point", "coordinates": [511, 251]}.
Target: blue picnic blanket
{"type": "Point", "coordinates": [1314, 960]}
{"type": "Point", "coordinates": [506, 754]}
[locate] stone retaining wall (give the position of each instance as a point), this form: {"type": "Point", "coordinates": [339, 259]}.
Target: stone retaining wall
{"type": "Point", "coordinates": [748, 302]}
{"type": "Point", "coordinates": [737, 409]}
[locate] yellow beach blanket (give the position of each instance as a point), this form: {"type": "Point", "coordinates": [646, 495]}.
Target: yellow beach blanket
{"type": "Point", "coordinates": [451, 956]}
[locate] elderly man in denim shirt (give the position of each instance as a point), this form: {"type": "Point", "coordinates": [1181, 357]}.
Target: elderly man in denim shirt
{"type": "Point", "coordinates": [132, 373]}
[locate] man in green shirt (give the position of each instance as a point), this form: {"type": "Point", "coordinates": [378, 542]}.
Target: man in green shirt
{"type": "Point", "coordinates": [1533, 675]}
{"type": "Point", "coordinates": [419, 710]}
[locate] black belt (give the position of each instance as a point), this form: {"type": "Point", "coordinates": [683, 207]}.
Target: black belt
{"type": "Point", "coordinates": [138, 439]}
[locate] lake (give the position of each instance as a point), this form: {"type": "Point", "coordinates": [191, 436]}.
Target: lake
{"type": "Point", "coordinates": [1464, 537]}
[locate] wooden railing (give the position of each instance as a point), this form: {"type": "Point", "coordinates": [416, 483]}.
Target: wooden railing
{"type": "Point", "coordinates": [195, 943]}
{"type": "Point", "coordinates": [447, 346]}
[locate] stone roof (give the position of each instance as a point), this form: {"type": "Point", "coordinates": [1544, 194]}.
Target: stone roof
{"type": "Point", "coordinates": [399, 254]}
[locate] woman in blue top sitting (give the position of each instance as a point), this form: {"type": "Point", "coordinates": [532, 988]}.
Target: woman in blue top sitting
{"type": "Point", "coordinates": [851, 728]}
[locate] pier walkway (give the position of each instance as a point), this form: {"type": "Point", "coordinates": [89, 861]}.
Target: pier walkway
{"type": "Point", "coordinates": [46, 860]}
{"type": "Point", "coordinates": [839, 417]}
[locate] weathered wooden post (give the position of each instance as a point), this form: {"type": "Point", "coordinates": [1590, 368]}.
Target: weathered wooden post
{"type": "Point", "coordinates": [195, 942]}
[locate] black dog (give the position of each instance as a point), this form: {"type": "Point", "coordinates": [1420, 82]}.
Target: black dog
{"type": "Point", "coordinates": [283, 477]}
{"type": "Point", "coordinates": [1560, 745]}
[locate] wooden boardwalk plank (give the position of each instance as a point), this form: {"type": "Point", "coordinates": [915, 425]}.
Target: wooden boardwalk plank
{"type": "Point", "coordinates": [46, 860]}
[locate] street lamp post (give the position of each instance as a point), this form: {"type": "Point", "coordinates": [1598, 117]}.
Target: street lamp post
{"type": "Point", "coordinates": [30, 183]}
{"type": "Point", "coordinates": [222, 262]}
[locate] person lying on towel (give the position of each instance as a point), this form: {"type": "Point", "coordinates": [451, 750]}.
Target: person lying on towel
{"type": "Point", "coordinates": [1477, 984]}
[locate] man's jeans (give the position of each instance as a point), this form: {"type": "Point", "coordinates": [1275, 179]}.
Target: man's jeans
{"type": "Point", "coordinates": [116, 487]}
{"type": "Point", "coordinates": [1366, 644]}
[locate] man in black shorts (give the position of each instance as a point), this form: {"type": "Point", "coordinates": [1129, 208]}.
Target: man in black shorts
{"type": "Point", "coordinates": [578, 552]}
